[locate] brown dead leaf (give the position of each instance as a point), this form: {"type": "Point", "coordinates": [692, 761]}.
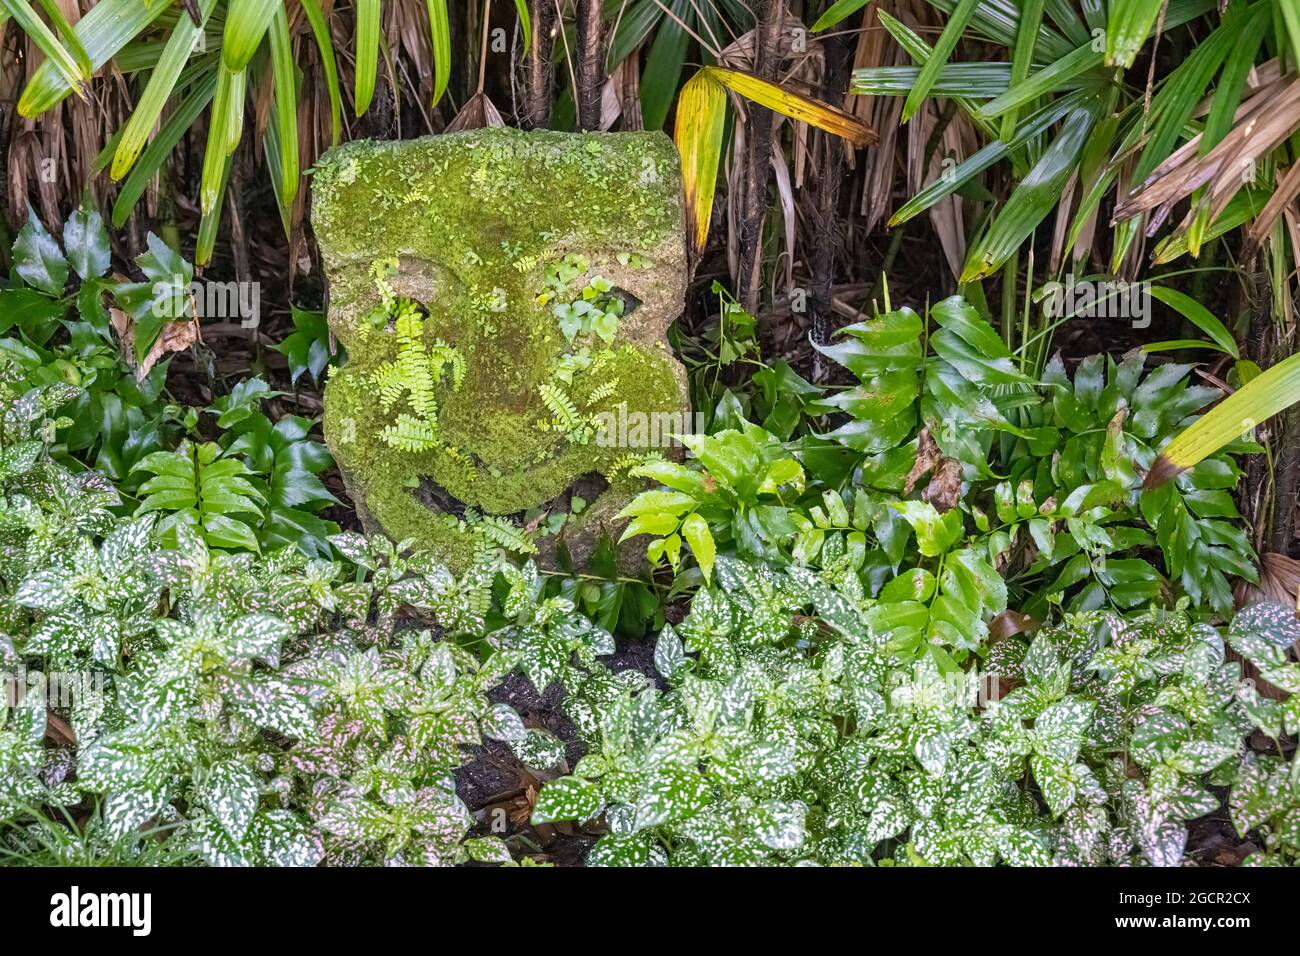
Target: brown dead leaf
{"type": "Point", "coordinates": [927, 456]}
{"type": "Point", "coordinates": [175, 337]}
{"type": "Point", "coordinates": [1234, 855]}
{"type": "Point", "coordinates": [944, 489]}
{"type": "Point", "coordinates": [121, 323]}
{"type": "Point", "coordinates": [1288, 188]}
{"type": "Point", "coordinates": [1009, 623]}
{"type": "Point", "coordinates": [59, 730]}
{"type": "Point", "coordinates": [522, 810]}
{"type": "Point", "coordinates": [1262, 123]}
{"type": "Point", "coordinates": [1279, 580]}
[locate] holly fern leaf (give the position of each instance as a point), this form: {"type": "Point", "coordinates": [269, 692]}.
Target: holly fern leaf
{"type": "Point", "coordinates": [195, 486]}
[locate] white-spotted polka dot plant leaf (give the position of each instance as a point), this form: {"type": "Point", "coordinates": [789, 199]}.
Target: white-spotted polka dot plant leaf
{"type": "Point", "coordinates": [278, 709]}
{"type": "Point", "coordinates": [770, 748]}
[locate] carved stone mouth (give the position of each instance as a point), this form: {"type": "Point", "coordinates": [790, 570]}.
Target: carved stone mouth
{"type": "Point", "coordinates": [587, 486]}
{"type": "Point", "coordinates": [437, 498]}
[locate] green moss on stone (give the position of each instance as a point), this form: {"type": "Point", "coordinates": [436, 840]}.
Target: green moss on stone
{"type": "Point", "coordinates": [474, 219]}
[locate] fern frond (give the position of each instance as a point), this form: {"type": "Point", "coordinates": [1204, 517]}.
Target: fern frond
{"type": "Point", "coordinates": [409, 325]}
{"type": "Point", "coordinates": [443, 355]}
{"type": "Point", "coordinates": [632, 459]}
{"type": "Point", "coordinates": [390, 383]}
{"type": "Point", "coordinates": [506, 535]}
{"type": "Point", "coordinates": [381, 269]}
{"type": "Point", "coordinates": [420, 383]}
{"type": "Point", "coordinates": [478, 601]}
{"type": "Point", "coordinates": [602, 392]}
{"type": "Point", "coordinates": [484, 549]}
{"type": "Point", "coordinates": [411, 434]}
{"type": "Point", "coordinates": [564, 413]}
{"type": "Point", "coordinates": [415, 374]}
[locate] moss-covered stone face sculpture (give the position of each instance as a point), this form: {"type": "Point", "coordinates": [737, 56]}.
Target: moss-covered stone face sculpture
{"type": "Point", "coordinates": [501, 295]}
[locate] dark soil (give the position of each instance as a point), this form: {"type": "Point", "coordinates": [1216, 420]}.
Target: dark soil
{"type": "Point", "coordinates": [499, 790]}
{"type": "Point", "coordinates": [1213, 840]}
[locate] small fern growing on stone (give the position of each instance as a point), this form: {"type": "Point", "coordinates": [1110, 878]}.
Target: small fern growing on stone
{"type": "Point", "coordinates": [578, 426]}
{"type": "Point", "coordinates": [414, 377]}
{"type": "Point", "coordinates": [499, 532]}
{"type": "Point", "coordinates": [565, 417]}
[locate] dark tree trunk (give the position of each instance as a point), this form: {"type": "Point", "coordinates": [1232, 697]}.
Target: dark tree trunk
{"type": "Point", "coordinates": [1286, 471]}
{"type": "Point", "coordinates": [758, 158]}
{"type": "Point", "coordinates": [591, 63]}
{"type": "Point", "coordinates": [464, 58]}
{"type": "Point", "coordinates": [829, 167]}
{"type": "Point", "coordinates": [538, 67]}
{"type": "Point", "coordinates": [1273, 515]}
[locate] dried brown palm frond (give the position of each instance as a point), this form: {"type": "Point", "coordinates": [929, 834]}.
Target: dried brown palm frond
{"type": "Point", "coordinates": [611, 105]}
{"type": "Point", "coordinates": [802, 59]}
{"type": "Point", "coordinates": [801, 67]}
{"type": "Point", "coordinates": [1291, 217]}
{"type": "Point", "coordinates": [939, 137]}
{"type": "Point", "coordinates": [1283, 198]}
{"type": "Point", "coordinates": [1265, 121]}
{"type": "Point", "coordinates": [936, 140]}
{"type": "Point", "coordinates": [1085, 243]}
{"type": "Point", "coordinates": [933, 146]}
{"type": "Point", "coordinates": [50, 162]}
{"type": "Point", "coordinates": [792, 42]}
{"type": "Point", "coordinates": [477, 113]}
{"type": "Point", "coordinates": [53, 159]}
{"type": "Point", "coordinates": [1064, 217]}
{"type": "Point", "coordinates": [881, 113]}
{"type": "Point", "coordinates": [625, 85]}
{"type": "Point", "coordinates": [789, 212]}
{"type": "Point", "coordinates": [408, 30]}
{"type": "Point", "coordinates": [1279, 580]}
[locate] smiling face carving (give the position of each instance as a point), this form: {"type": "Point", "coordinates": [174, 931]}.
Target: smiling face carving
{"type": "Point", "coordinates": [500, 295]}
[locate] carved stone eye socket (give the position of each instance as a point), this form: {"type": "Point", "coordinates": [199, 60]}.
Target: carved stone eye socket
{"type": "Point", "coordinates": [419, 279]}
{"type": "Point", "coordinates": [630, 302]}
{"type": "Point", "coordinates": [437, 498]}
